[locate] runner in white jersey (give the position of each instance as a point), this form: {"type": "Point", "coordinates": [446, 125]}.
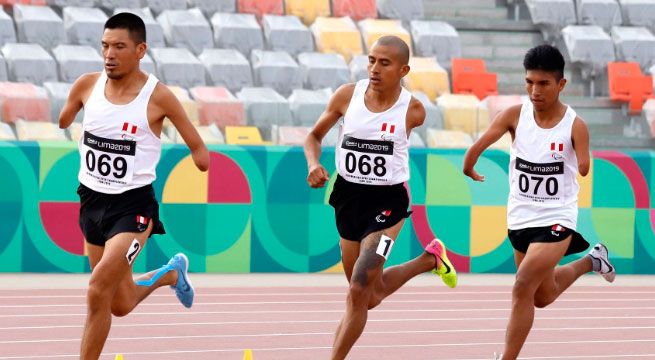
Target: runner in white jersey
{"type": "Point", "coordinates": [369, 197]}
{"type": "Point", "coordinates": [550, 147]}
{"type": "Point", "coordinates": [124, 110]}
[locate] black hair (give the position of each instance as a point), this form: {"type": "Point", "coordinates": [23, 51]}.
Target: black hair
{"type": "Point", "coordinates": [130, 22]}
{"type": "Point", "coordinates": [546, 58]}
{"type": "Point", "coordinates": [398, 43]}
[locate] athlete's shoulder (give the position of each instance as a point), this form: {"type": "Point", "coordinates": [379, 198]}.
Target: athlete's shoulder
{"type": "Point", "coordinates": [345, 91]}
{"type": "Point", "coordinates": [87, 80]}
{"type": "Point", "coordinates": [415, 112]}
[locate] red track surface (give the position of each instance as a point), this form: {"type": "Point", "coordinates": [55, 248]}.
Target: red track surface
{"type": "Point", "coordinates": [297, 323]}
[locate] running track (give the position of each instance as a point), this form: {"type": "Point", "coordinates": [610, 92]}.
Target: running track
{"type": "Point", "coordinates": [297, 323]}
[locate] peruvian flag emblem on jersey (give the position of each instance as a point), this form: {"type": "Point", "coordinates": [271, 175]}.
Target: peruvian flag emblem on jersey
{"type": "Point", "coordinates": [127, 127]}
{"type": "Point", "coordinates": [556, 146]}
{"type": "Point", "coordinates": [388, 128]}
{"type": "Point", "coordinates": [558, 228]}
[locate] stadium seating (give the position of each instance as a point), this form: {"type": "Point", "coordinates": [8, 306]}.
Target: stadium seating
{"type": "Point", "coordinates": [628, 84]}
{"type": "Point", "coordinates": [260, 7]}
{"type": "Point", "coordinates": [7, 31]}
{"type": "Point", "coordinates": [190, 106]}
{"type": "Point", "coordinates": [227, 67]}
{"type": "Point", "coordinates": [110, 5]}
{"type": "Point", "coordinates": [58, 94]}
{"type": "Point", "coordinates": [638, 13]}
{"type": "Point", "coordinates": [84, 26]}
{"type": "Point", "coordinates": [337, 35]}
{"type": "Point", "coordinates": [264, 108]}
{"type": "Point", "coordinates": [75, 60]}
{"type": "Point", "coordinates": [307, 105]}
{"type": "Point", "coordinates": [148, 65]}
{"type": "Point", "coordinates": [448, 139]}
{"type": "Point", "coordinates": [210, 134]}
{"type": "Point", "coordinates": [405, 10]}
{"type": "Point", "coordinates": [243, 135]}
{"type": "Point", "coordinates": [154, 32]}
{"type": "Point", "coordinates": [216, 105]}
{"type": "Point", "coordinates": [39, 131]}
{"type": "Point", "coordinates": [373, 29]}
{"type": "Point", "coordinates": [497, 103]}
{"type": "Point", "coordinates": [210, 7]}
{"type": "Point", "coordinates": [237, 31]}
{"type": "Point", "coordinates": [75, 131]}
{"type": "Point", "coordinates": [355, 9]}
{"type": "Point", "coordinates": [649, 112]}
{"type": "Point", "coordinates": [186, 28]}
{"type": "Point", "coordinates": [23, 101]}
{"type": "Point", "coordinates": [463, 113]}
{"type": "Point", "coordinates": [290, 135]}
{"type": "Point", "coordinates": [287, 33]}
{"type": "Point", "coordinates": [589, 47]}
{"type": "Point", "coordinates": [551, 16]}
{"type": "Point", "coordinates": [29, 63]}
{"type": "Point", "coordinates": [604, 13]}
{"type": "Point", "coordinates": [6, 133]}
{"type": "Point", "coordinates": [178, 66]}
{"type": "Point", "coordinates": [436, 38]}
{"type": "Point", "coordinates": [415, 140]}
{"type": "Point", "coordinates": [276, 70]}
{"type": "Point", "coordinates": [59, 4]}
{"type": "Point", "coordinates": [471, 77]}
{"type": "Point", "coordinates": [358, 68]}
{"type": "Point", "coordinates": [504, 143]}
{"type": "Point", "coordinates": [634, 44]}
{"type": "Point", "coordinates": [427, 76]}
{"type": "Point", "coordinates": [39, 25]}
{"type": "Point", "coordinates": [3, 69]}
{"type": "Point", "coordinates": [307, 10]}
{"type": "Point", "coordinates": [320, 71]}
{"type": "Point", "coordinates": [433, 117]}
{"type": "Point", "coordinates": [158, 6]}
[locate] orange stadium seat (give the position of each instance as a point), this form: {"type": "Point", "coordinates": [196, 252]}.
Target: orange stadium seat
{"type": "Point", "coordinates": [24, 2]}
{"type": "Point", "coordinates": [216, 105]}
{"type": "Point", "coordinates": [261, 7]}
{"type": "Point", "coordinates": [427, 76]}
{"type": "Point", "coordinates": [23, 101]}
{"type": "Point", "coordinates": [356, 9]}
{"type": "Point", "coordinates": [628, 84]}
{"type": "Point", "coordinates": [337, 35]}
{"type": "Point", "coordinates": [471, 77]}
{"type": "Point", "coordinates": [307, 10]}
{"type": "Point", "coordinates": [373, 29]}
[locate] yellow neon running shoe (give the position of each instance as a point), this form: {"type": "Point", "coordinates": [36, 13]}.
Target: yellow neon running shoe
{"type": "Point", "coordinates": [444, 268]}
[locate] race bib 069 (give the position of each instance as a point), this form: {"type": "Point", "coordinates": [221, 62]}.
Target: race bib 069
{"type": "Point", "coordinates": [107, 162]}
{"type": "Point", "coordinates": [366, 161]}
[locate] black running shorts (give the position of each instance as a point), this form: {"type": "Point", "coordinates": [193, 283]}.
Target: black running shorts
{"type": "Point", "coordinates": [362, 209]}
{"type": "Point", "coordinates": [522, 238]}
{"type": "Point", "coordinates": [102, 216]}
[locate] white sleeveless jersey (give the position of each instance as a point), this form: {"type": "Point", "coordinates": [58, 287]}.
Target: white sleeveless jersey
{"type": "Point", "coordinates": [373, 147]}
{"type": "Point", "coordinates": [543, 172]}
{"type": "Point", "coordinates": [118, 151]}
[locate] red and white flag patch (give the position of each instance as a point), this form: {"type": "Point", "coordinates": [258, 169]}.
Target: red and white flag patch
{"type": "Point", "coordinates": [142, 220]}
{"type": "Point", "coordinates": [558, 228]}
{"type": "Point", "coordinates": [392, 128]}
{"type": "Point", "coordinates": [386, 212]}
{"type": "Point", "coordinates": [558, 146]}
{"type": "Point", "coordinates": [127, 127]}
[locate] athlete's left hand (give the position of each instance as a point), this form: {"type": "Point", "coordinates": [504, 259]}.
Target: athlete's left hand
{"type": "Point", "coordinates": [317, 176]}
{"type": "Point", "coordinates": [474, 175]}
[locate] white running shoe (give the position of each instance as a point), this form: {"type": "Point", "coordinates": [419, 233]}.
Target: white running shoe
{"type": "Point", "coordinates": [600, 253]}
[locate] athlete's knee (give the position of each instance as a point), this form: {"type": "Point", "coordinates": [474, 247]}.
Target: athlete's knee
{"type": "Point", "coordinates": [374, 301]}
{"type": "Point", "coordinates": [541, 301]}
{"type": "Point", "coordinates": [523, 288]}
{"type": "Point", "coordinates": [97, 296]}
{"type": "Point", "coordinates": [359, 294]}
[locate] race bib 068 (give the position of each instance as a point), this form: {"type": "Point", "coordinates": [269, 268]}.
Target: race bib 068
{"type": "Point", "coordinates": [108, 162]}
{"type": "Point", "coordinates": [366, 161]}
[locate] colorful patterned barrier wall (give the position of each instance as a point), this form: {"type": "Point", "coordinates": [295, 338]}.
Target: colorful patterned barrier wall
{"type": "Point", "coordinates": [253, 212]}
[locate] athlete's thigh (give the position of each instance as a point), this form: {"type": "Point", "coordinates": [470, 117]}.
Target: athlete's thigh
{"type": "Point", "coordinates": [94, 253]}
{"type": "Point", "coordinates": [372, 256]}
{"type": "Point", "coordinates": [548, 285]}
{"type": "Point", "coordinates": [127, 283]}
{"type": "Point", "coordinates": [539, 261]}
{"type": "Point", "coordinates": [349, 255]}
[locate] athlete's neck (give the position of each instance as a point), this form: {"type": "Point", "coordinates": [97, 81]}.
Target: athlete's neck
{"type": "Point", "coordinates": [378, 100]}
{"type": "Point", "coordinates": [551, 116]}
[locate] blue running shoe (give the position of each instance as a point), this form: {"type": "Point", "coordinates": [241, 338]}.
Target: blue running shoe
{"type": "Point", "coordinates": [183, 288]}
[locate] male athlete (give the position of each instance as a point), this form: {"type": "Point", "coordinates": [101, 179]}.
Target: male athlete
{"type": "Point", "coordinates": [550, 147]}
{"type": "Point", "coordinates": [369, 197]}
{"type": "Point", "coordinates": [124, 109]}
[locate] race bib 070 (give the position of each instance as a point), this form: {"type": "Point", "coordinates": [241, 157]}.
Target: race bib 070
{"type": "Point", "coordinates": [366, 161]}
{"type": "Point", "coordinates": [539, 182]}
{"type": "Point", "coordinates": [107, 162]}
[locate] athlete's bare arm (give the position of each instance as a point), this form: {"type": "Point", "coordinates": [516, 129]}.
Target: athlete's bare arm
{"type": "Point", "coordinates": [503, 122]}
{"type": "Point", "coordinates": [164, 103]}
{"type": "Point", "coordinates": [415, 115]}
{"type": "Point", "coordinates": [580, 139]}
{"type": "Point", "coordinates": [77, 96]}
{"type": "Point", "coordinates": [335, 109]}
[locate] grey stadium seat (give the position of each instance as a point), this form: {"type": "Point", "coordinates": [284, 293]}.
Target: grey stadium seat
{"type": "Point", "coordinates": [79, 3]}
{"type": "Point", "coordinates": [433, 117]}
{"type": "Point", "coordinates": [405, 10]}
{"type": "Point", "coordinates": [634, 44]}
{"type": "Point", "coordinates": [186, 28]}
{"type": "Point", "coordinates": [358, 68]}
{"type": "Point", "coordinates": [7, 31]}
{"type": "Point", "coordinates": [29, 63]}
{"type": "Point", "coordinates": [158, 6]}
{"type": "Point", "coordinates": [604, 13]}
{"type": "Point", "coordinates": [154, 32]}
{"type": "Point", "coordinates": [228, 68]}
{"type": "Point", "coordinates": [287, 33]}
{"type": "Point", "coordinates": [320, 71]}
{"type": "Point", "coordinates": [3, 69]}
{"type": "Point", "coordinates": [84, 26]}
{"type": "Point", "coordinates": [551, 16]}
{"type": "Point", "coordinates": [590, 47]}
{"type": "Point", "coordinates": [237, 31]}
{"type": "Point", "coordinates": [58, 94]}
{"type": "Point", "coordinates": [75, 60]}
{"type": "Point", "coordinates": [40, 25]}
{"type": "Point", "coordinates": [307, 105]}
{"type": "Point", "coordinates": [264, 108]}
{"type": "Point", "coordinates": [436, 38]}
{"type": "Point", "coordinates": [277, 70]}
{"type": "Point", "coordinates": [178, 66]}
{"type": "Point", "coordinates": [110, 5]}
{"type": "Point", "coordinates": [210, 7]}
{"type": "Point", "coordinates": [638, 13]}
{"type": "Point", "coordinates": [148, 65]}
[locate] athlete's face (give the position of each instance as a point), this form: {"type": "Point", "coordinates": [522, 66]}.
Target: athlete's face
{"type": "Point", "coordinates": [385, 69]}
{"type": "Point", "coordinates": [121, 54]}
{"type": "Point", "coordinates": [543, 88]}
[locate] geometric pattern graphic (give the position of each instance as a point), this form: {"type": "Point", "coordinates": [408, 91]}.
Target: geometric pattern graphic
{"type": "Point", "coordinates": [253, 211]}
